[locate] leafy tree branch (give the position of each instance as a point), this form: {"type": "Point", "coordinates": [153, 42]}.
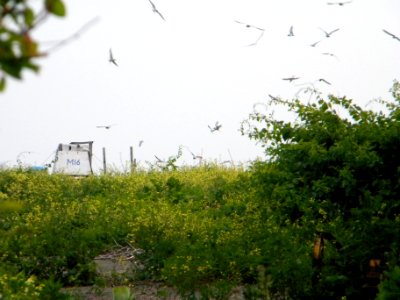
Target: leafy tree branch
{"type": "Point", "coordinates": [18, 49]}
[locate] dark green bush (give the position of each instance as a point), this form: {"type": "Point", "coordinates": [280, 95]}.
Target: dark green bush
{"type": "Point", "coordinates": [335, 175]}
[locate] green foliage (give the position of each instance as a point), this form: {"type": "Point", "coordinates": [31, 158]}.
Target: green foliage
{"type": "Point", "coordinates": [389, 289]}
{"type": "Point", "coordinates": [21, 287]}
{"type": "Point", "coordinates": [167, 165]}
{"type": "Point", "coordinates": [122, 293]}
{"type": "Point", "coordinates": [333, 171]}
{"type": "Point", "coordinates": [18, 49]}
{"type": "Point", "coordinates": [55, 7]}
{"type": "Point", "coordinates": [190, 224]}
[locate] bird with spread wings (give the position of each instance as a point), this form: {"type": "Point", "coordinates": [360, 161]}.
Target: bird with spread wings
{"type": "Point", "coordinates": [291, 31]}
{"type": "Point", "coordinates": [155, 10]}
{"type": "Point", "coordinates": [339, 3]}
{"type": "Point", "coordinates": [391, 34]}
{"type": "Point", "coordinates": [255, 27]}
{"type": "Point", "coordinates": [111, 58]}
{"type": "Point", "coordinates": [106, 126]}
{"type": "Point", "coordinates": [290, 79]}
{"type": "Point", "coordinates": [216, 127]}
{"type": "Point", "coordinates": [328, 34]}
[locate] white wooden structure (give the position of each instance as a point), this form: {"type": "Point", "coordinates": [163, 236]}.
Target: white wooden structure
{"type": "Point", "coordinates": [74, 159]}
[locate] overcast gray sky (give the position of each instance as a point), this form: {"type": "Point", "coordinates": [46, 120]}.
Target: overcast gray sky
{"type": "Point", "coordinates": [176, 77]}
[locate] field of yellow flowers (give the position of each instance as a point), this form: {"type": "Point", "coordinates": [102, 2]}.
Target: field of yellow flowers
{"type": "Point", "coordinates": [197, 229]}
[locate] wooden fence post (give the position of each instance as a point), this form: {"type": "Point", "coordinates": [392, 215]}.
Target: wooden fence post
{"type": "Point", "coordinates": [133, 160]}
{"type": "Point", "coordinates": [104, 161]}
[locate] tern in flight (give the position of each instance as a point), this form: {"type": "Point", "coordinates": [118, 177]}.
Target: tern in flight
{"type": "Point", "coordinates": [106, 126]}
{"type": "Point", "coordinates": [328, 34]}
{"type": "Point", "coordinates": [194, 156]}
{"type": "Point", "coordinates": [255, 27]}
{"type": "Point", "coordinates": [216, 127]}
{"type": "Point", "coordinates": [291, 31]}
{"type": "Point", "coordinates": [391, 34]}
{"type": "Point", "coordinates": [155, 10]}
{"type": "Point", "coordinates": [250, 26]}
{"type": "Point", "coordinates": [315, 44]}
{"type": "Point", "coordinates": [323, 80]}
{"type": "Point", "coordinates": [330, 54]}
{"type": "Point", "coordinates": [290, 79]}
{"type": "Point", "coordinates": [111, 58]}
{"type": "Point", "coordinates": [339, 3]}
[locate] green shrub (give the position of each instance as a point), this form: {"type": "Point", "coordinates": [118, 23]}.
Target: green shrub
{"type": "Point", "coordinates": [20, 287]}
{"type": "Point", "coordinates": [332, 171]}
{"type": "Point", "coordinates": [389, 289]}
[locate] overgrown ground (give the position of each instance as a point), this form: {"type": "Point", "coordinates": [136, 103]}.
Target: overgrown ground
{"type": "Point", "coordinates": [190, 226]}
{"type": "Point", "coordinates": [319, 219]}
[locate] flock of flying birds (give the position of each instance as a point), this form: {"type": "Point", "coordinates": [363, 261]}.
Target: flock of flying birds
{"type": "Point", "coordinates": [327, 34]}
{"type": "Point", "coordinates": [217, 126]}
{"type": "Point", "coordinates": [113, 61]}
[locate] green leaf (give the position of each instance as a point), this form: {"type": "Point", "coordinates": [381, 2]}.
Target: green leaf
{"type": "Point", "coordinates": [13, 68]}
{"type": "Point", "coordinates": [29, 16]}
{"type": "Point", "coordinates": [34, 67]}
{"type": "Point", "coordinates": [2, 84]}
{"type": "Point", "coordinates": [56, 7]}
{"type": "Point", "coordinates": [28, 47]}
{"type": "Point", "coordinates": [122, 293]}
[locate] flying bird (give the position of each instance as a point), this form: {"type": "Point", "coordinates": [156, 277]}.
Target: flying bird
{"type": "Point", "coordinates": [323, 80]}
{"type": "Point", "coordinates": [155, 10]}
{"type": "Point", "coordinates": [328, 34]}
{"type": "Point", "coordinates": [339, 3]}
{"type": "Point", "coordinates": [315, 44]}
{"type": "Point", "coordinates": [111, 58]}
{"type": "Point", "coordinates": [290, 79]}
{"type": "Point", "coordinates": [194, 155]}
{"type": "Point", "coordinates": [255, 27]}
{"type": "Point", "coordinates": [140, 143]}
{"type": "Point", "coordinates": [216, 127]}
{"type": "Point", "coordinates": [391, 34]}
{"type": "Point", "coordinates": [330, 54]}
{"type": "Point", "coordinates": [250, 26]}
{"type": "Point", "coordinates": [106, 126]}
{"type": "Point", "coordinates": [291, 31]}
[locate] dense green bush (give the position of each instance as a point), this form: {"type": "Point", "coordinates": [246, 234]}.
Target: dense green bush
{"type": "Point", "coordinates": [333, 172]}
